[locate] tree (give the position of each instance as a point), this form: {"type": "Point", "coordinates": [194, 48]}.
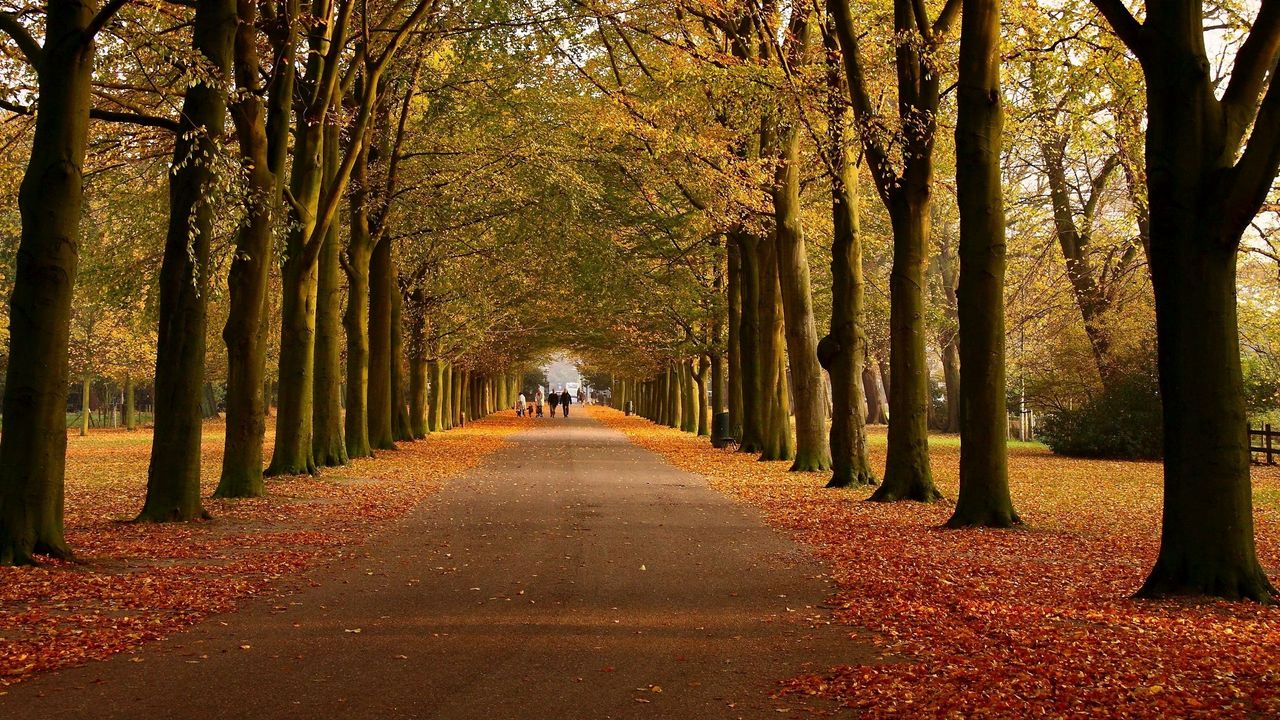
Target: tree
{"type": "Point", "coordinates": [173, 478]}
{"type": "Point", "coordinates": [1210, 163]}
{"type": "Point", "coordinates": [33, 449]}
{"type": "Point", "coordinates": [984, 474]}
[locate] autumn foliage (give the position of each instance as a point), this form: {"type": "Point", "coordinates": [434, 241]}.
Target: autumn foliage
{"type": "Point", "coordinates": [1037, 622]}
{"type": "Point", "coordinates": [133, 583]}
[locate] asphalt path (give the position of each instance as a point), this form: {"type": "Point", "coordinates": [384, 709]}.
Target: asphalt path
{"type": "Point", "coordinates": [571, 576]}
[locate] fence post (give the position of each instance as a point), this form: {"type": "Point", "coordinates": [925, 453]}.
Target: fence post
{"type": "Point", "coordinates": [1267, 438]}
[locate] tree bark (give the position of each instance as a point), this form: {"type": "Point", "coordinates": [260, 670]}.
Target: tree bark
{"type": "Point", "coordinates": [263, 134]}
{"type": "Point", "coordinates": [777, 442]}
{"type": "Point", "coordinates": [379, 403]}
{"type": "Point", "coordinates": [984, 499]}
{"type": "Point", "coordinates": [844, 349]}
{"type": "Point", "coordinates": [173, 477]}
{"type": "Point", "coordinates": [1204, 191]}
{"type": "Point", "coordinates": [811, 450]}
{"type": "Point", "coordinates": [907, 475]}
{"type": "Point", "coordinates": [400, 425]}
{"type": "Point", "coordinates": [704, 408]}
{"type": "Point", "coordinates": [327, 442]}
{"type": "Point", "coordinates": [34, 442]}
{"type": "Point", "coordinates": [749, 343]}
{"type": "Point", "coordinates": [130, 412]}
{"type": "Point", "coordinates": [735, 369]}
{"type": "Point", "coordinates": [692, 406]}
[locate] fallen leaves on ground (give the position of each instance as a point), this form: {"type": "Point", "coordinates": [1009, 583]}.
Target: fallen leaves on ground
{"type": "Point", "coordinates": [1035, 622]}
{"type": "Point", "coordinates": [132, 583]}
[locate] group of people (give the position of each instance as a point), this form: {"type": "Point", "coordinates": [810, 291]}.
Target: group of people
{"type": "Point", "coordinates": [527, 408]}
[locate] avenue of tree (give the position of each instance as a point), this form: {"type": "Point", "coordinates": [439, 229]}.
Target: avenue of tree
{"type": "Point", "coordinates": [803, 218]}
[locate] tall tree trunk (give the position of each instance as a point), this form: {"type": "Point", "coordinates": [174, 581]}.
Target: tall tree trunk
{"type": "Point", "coordinates": [435, 411]}
{"type": "Point", "coordinates": [692, 406]}
{"type": "Point", "coordinates": [446, 397]}
{"type": "Point", "coordinates": [130, 411]}
{"type": "Point", "coordinates": [1205, 185]}
{"type": "Point", "coordinates": [173, 477]}
{"type": "Point", "coordinates": [263, 133]}
{"type": "Point", "coordinates": [811, 450]}
{"type": "Point", "coordinates": [873, 392]}
{"type": "Point", "coordinates": [951, 371]}
{"type": "Point", "coordinates": [356, 319]}
{"type": "Point", "coordinates": [734, 300]}
{"type": "Point", "coordinates": [984, 474]}
{"type": "Point", "coordinates": [86, 408]}
{"type": "Point", "coordinates": [907, 475]}
{"type": "Point", "coordinates": [34, 443]}
{"type": "Point", "coordinates": [777, 442]}
{"type": "Point", "coordinates": [327, 442]}
{"type": "Point", "coordinates": [704, 408]}
{"type": "Point", "coordinates": [400, 425]}
{"type": "Point", "coordinates": [292, 454]}
{"type": "Point", "coordinates": [844, 350]}
{"type": "Point", "coordinates": [749, 343]}
{"type": "Point", "coordinates": [379, 394]}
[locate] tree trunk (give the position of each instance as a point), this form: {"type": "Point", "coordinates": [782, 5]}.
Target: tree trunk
{"type": "Point", "coordinates": [951, 371]}
{"type": "Point", "coordinates": [749, 343]}
{"type": "Point", "coordinates": [671, 384]}
{"type": "Point", "coordinates": [435, 411]}
{"type": "Point", "coordinates": [775, 411]}
{"type": "Point", "coordinates": [299, 285]}
{"type": "Point", "coordinates": [400, 425]}
{"type": "Point", "coordinates": [130, 412]}
{"type": "Point", "coordinates": [734, 404]}
{"type": "Point", "coordinates": [262, 133]}
{"type": "Point", "coordinates": [86, 408]}
{"type": "Point", "coordinates": [327, 443]}
{"type": "Point", "coordinates": [984, 474]}
{"type": "Point", "coordinates": [173, 477]}
{"type": "Point", "coordinates": [357, 316]}
{"type": "Point", "coordinates": [811, 450]}
{"type": "Point", "coordinates": [418, 409]}
{"type": "Point", "coordinates": [1203, 193]}
{"type": "Point", "coordinates": [34, 442]}
{"type": "Point", "coordinates": [907, 475]}
{"type": "Point", "coordinates": [692, 406]}
{"type": "Point", "coordinates": [844, 350]}
{"type": "Point", "coordinates": [379, 394]}
{"type": "Point", "coordinates": [704, 408]}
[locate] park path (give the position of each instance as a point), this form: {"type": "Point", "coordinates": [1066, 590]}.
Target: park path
{"type": "Point", "coordinates": [570, 576]}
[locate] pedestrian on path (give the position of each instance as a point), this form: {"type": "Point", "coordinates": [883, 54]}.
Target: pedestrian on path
{"type": "Point", "coordinates": [538, 398]}
{"type": "Point", "coordinates": [521, 405]}
{"type": "Point", "coordinates": [565, 399]}
{"type": "Point", "coordinates": [554, 400]}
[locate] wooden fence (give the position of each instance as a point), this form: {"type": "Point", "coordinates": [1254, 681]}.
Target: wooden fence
{"type": "Point", "coordinates": [1265, 442]}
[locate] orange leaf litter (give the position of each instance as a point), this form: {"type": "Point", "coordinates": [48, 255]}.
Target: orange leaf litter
{"type": "Point", "coordinates": [1027, 623]}
{"type": "Point", "coordinates": [132, 583]}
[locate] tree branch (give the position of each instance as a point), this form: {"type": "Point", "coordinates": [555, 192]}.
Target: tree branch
{"type": "Point", "coordinates": [26, 43]}
{"type": "Point", "coordinates": [103, 17]}
{"type": "Point", "coordinates": [1255, 58]}
{"type": "Point", "coordinates": [946, 18]}
{"type": "Point", "coordinates": [1123, 24]}
{"type": "Point", "coordinates": [1253, 175]}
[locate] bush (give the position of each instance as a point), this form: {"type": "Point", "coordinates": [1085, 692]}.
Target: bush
{"type": "Point", "coordinates": [1123, 422]}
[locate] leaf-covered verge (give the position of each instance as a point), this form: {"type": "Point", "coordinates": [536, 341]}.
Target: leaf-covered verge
{"type": "Point", "coordinates": [1037, 622]}
{"type": "Point", "coordinates": [133, 583]}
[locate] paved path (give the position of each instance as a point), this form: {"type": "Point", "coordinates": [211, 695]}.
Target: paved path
{"type": "Point", "coordinates": [570, 576]}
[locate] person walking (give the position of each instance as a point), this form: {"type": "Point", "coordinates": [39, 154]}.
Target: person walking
{"type": "Point", "coordinates": [537, 401]}
{"type": "Point", "coordinates": [565, 399]}
{"type": "Point", "coordinates": [554, 400]}
{"type": "Point", "coordinates": [521, 405]}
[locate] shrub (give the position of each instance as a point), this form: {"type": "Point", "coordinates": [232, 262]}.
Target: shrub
{"type": "Point", "coordinates": [1123, 421]}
